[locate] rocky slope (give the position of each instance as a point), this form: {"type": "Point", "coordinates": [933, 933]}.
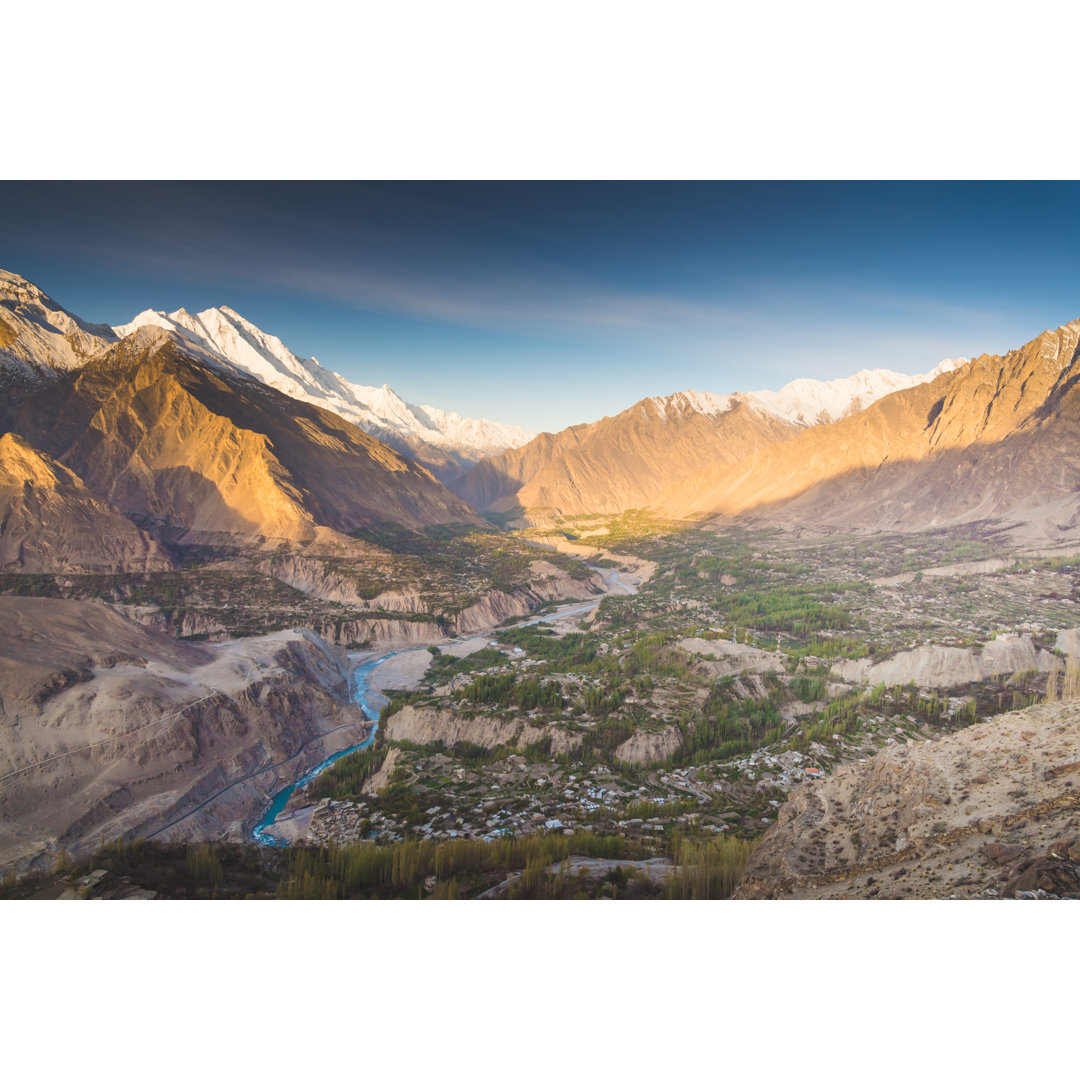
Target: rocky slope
{"type": "Point", "coordinates": [624, 461]}
{"type": "Point", "coordinates": [444, 442]}
{"type": "Point", "coordinates": [156, 429]}
{"type": "Point", "coordinates": [988, 812]}
{"type": "Point", "coordinates": [995, 438]}
{"type": "Point", "coordinates": [38, 338]}
{"type": "Point", "coordinates": [108, 729]}
{"type": "Point", "coordinates": [627, 461]}
{"type": "Point", "coordinates": [940, 666]}
{"type": "Point", "coordinates": [51, 523]}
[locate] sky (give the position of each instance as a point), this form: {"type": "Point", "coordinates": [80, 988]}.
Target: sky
{"type": "Point", "coordinates": [549, 304]}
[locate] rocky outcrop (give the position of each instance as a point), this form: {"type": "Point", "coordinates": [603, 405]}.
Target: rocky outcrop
{"type": "Point", "coordinates": [966, 816]}
{"type": "Point", "coordinates": [730, 658]}
{"type": "Point", "coordinates": [381, 633]}
{"type": "Point", "coordinates": [645, 747]}
{"type": "Point", "coordinates": [422, 725]}
{"type": "Point", "coordinates": [110, 730]}
{"type": "Point", "coordinates": [940, 666]}
{"type": "Point", "coordinates": [51, 523]}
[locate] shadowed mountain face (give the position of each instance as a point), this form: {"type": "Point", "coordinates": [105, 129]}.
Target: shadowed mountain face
{"type": "Point", "coordinates": [445, 443]}
{"type": "Point", "coordinates": [621, 462]}
{"type": "Point", "coordinates": [997, 438]}
{"type": "Point", "coordinates": [51, 523]}
{"type": "Point", "coordinates": [167, 436]}
{"type": "Point", "coordinates": [113, 729]}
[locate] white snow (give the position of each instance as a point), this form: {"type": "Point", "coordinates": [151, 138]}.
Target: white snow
{"type": "Point", "coordinates": [378, 410]}
{"type": "Point", "coordinates": [809, 401]}
{"type": "Point", "coordinates": [48, 338]}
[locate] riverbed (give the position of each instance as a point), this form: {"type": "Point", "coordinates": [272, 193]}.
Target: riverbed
{"type": "Point", "coordinates": [401, 669]}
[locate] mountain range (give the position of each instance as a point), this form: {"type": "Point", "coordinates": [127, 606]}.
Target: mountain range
{"type": "Point", "coordinates": [647, 454]}
{"type": "Point", "coordinates": [202, 428]}
{"type": "Point", "coordinates": [112, 441]}
{"type": "Point", "coordinates": [994, 438]}
{"type": "Point", "coordinates": [444, 442]}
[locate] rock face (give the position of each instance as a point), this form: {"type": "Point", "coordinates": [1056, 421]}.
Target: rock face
{"type": "Point", "coordinates": [155, 429]}
{"type": "Point", "coordinates": [426, 725]}
{"type": "Point", "coordinates": [108, 729]}
{"type": "Point", "coordinates": [995, 438]}
{"type": "Point", "coordinates": [645, 747]}
{"type": "Point", "coordinates": [977, 814]}
{"type": "Point", "coordinates": [624, 461]}
{"type": "Point", "coordinates": [443, 442]}
{"type": "Point", "coordinates": [51, 523]}
{"type": "Point", "coordinates": [938, 665]}
{"type": "Point", "coordinates": [381, 778]}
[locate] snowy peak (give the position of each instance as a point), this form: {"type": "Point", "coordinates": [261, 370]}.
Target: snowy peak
{"type": "Point", "coordinates": [805, 401]}
{"type": "Point", "coordinates": [244, 346]}
{"type": "Point", "coordinates": [811, 401]}
{"type": "Point", "coordinates": [687, 401]}
{"type": "Point", "coordinates": [240, 344]}
{"type": "Point", "coordinates": [39, 338]}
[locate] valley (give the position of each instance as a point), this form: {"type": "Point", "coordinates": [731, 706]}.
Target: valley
{"type": "Point", "coordinates": [252, 644]}
{"type": "Point", "coordinates": [642, 722]}
{"type": "Point", "coordinates": [742, 670]}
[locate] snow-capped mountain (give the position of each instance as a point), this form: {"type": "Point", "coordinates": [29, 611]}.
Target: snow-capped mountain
{"type": "Point", "coordinates": [444, 442]}
{"type": "Point", "coordinates": [667, 443]}
{"type": "Point", "coordinates": [807, 401]}
{"type": "Point", "coordinates": [38, 338]}
{"type": "Point", "coordinates": [811, 401]}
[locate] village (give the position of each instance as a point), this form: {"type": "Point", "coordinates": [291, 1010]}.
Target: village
{"type": "Point", "coordinates": [597, 726]}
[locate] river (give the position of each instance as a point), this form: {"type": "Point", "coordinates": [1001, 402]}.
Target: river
{"type": "Point", "coordinates": [362, 690]}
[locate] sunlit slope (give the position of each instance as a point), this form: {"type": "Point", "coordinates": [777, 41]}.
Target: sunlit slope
{"type": "Point", "coordinates": [155, 428]}
{"type": "Point", "coordinates": [993, 438]}
{"type": "Point", "coordinates": [51, 523]}
{"type": "Point", "coordinates": [623, 461]}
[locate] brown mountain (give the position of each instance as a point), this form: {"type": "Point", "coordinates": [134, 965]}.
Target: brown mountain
{"type": "Point", "coordinates": [996, 438]}
{"type": "Point", "coordinates": [624, 461]}
{"type": "Point", "coordinates": [110, 729]}
{"type": "Point", "coordinates": [160, 430]}
{"type": "Point", "coordinates": [51, 523]}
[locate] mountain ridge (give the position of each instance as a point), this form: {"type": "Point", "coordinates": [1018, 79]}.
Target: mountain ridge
{"type": "Point", "coordinates": [670, 438]}
{"type": "Point", "coordinates": [442, 441]}
{"type": "Point", "coordinates": [995, 437]}
{"type": "Point", "coordinates": [175, 440]}
{"type": "Point", "coordinates": [39, 339]}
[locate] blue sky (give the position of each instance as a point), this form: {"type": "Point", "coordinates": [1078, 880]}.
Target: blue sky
{"type": "Point", "coordinates": [550, 304]}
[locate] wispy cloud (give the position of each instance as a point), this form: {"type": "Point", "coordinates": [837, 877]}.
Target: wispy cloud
{"type": "Point", "coordinates": [498, 301]}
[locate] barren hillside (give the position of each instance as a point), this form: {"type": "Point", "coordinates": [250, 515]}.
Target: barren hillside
{"type": "Point", "coordinates": [984, 813]}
